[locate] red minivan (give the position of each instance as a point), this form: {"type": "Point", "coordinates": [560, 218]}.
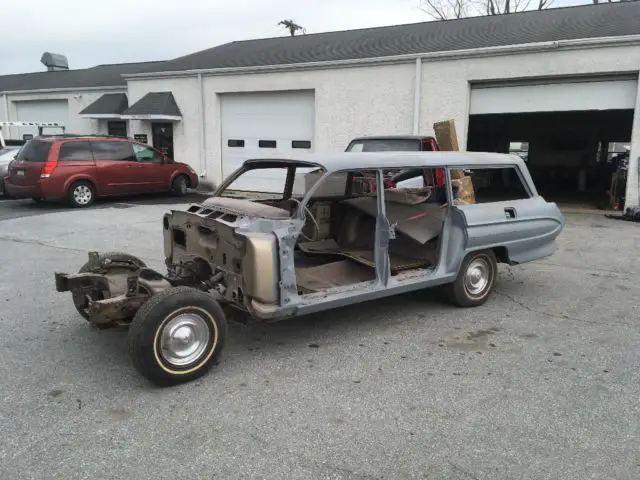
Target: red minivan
{"type": "Point", "coordinates": [82, 168]}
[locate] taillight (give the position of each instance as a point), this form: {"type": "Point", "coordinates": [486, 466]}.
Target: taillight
{"type": "Point", "coordinates": [429, 145]}
{"type": "Point", "coordinates": [48, 168]}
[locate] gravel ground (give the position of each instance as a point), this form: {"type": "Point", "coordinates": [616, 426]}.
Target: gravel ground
{"type": "Point", "coordinates": [542, 382]}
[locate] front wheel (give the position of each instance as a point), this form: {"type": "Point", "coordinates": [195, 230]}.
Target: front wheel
{"type": "Point", "coordinates": [475, 281]}
{"type": "Point", "coordinates": [180, 186]}
{"type": "Point", "coordinates": [177, 335]}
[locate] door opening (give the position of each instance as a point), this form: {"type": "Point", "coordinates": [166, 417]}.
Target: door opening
{"type": "Point", "coordinates": [117, 128]}
{"type": "Point", "coordinates": [162, 136]}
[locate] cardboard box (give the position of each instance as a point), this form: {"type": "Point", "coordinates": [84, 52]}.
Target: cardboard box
{"type": "Point", "coordinates": [465, 194]}
{"type": "Point", "coordinates": [446, 135]}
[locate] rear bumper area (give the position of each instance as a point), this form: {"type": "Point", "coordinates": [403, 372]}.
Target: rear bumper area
{"type": "Point", "coordinates": [23, 191]}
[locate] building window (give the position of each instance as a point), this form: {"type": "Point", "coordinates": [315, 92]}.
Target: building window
{"type": "Point", "coordinates": [117, 128]}
{"type": "Point", "coordinates": [301, 144]}
{"type": "Point", "coordinates": [267, 143]}
{"type": "Point", "coordinates": [235, 143]}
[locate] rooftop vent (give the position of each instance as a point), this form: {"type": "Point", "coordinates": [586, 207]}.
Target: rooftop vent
{"type": "Point", "coordinates": [54, 62]}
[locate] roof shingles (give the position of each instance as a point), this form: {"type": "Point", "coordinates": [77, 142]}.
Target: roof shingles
{"type": "Point", "coordinates": [99, 76]}
{"type": "Point", "coordinates": [590, 21]}
{"type": "Point", "coordinates": [569, 23]}
{"type": "Point", "coordinates": [107, 104]}
{"type": "Point", "coordinates": [155, 104]}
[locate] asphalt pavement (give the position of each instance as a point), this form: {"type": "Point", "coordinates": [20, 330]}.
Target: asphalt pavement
{"type": "Point", "coordinates": [542, 382]}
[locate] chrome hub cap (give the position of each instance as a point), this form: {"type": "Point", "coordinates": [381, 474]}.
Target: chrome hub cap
{"type": "Point", "coordinates": [82, 195]}
{"type": "Point", "coordinates": [476, 278]}
{"type": "Point", "coordinates": [184, 339]}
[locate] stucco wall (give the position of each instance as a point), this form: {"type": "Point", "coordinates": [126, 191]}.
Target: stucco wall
{"type": "Point", "coordinates": [446, 84]}
{"type": "Point", "coordinates": [348, 102]}
{"type": "Point", "coordinates": [77, 101]}
{"type": "Point", "coordinates": [371, 100]}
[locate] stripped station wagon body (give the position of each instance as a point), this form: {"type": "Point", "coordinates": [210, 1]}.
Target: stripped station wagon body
{"type": "Point", "coordinates": [336, 233]}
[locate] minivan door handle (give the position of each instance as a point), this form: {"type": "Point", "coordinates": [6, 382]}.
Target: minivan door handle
{"type": "Point", "coordinates": [510, 212]}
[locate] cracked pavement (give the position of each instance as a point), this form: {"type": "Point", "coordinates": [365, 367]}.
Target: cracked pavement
{"type": "Point", "coordinates": [541, 382]}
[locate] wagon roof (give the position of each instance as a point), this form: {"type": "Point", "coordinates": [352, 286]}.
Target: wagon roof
{"type": "Point", "coordinates": [336, 162]}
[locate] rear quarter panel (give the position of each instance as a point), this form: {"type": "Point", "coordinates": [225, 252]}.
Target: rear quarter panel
{"type": "Point", "coordinates": [529, 236]}
{"type": "Point", "coordinates": [69, 171]}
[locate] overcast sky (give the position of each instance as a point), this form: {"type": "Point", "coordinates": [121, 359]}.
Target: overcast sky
{"type": "Point", "coordinates": [119, 31]}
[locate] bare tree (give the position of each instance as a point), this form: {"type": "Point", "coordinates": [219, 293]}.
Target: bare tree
{"type": "Point", "coordinates": [445, 9]}
{"type": "Point", "coordinates": [449, 9]}
{"type": "Point", "coordinates": [292, 26]}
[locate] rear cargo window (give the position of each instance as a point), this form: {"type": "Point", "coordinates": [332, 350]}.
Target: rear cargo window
{"type": "Point", "coordinates": [34, 151]}
{"type": "Point", "coordinates": [75, 151]}
{"type": "Point", "coordinates": [385, 145]}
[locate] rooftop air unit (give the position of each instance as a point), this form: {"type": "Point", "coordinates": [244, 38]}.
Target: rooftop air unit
{"type": "Point", "coordinates": [54, 62]}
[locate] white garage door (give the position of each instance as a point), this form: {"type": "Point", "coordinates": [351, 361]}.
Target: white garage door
{"type": "Point", "coordinates": [42, 111]}
{"type": "Point", "coordinates": [264, 125]}
{"type": "Point", "coordinates": [555, 97]}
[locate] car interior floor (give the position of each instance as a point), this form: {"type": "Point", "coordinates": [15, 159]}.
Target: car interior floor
{"type": "Point", "coordinates": [336, 248]}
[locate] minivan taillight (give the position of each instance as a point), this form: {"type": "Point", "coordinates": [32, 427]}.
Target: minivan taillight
{"type": "Point", "coordinates": [48, 168]}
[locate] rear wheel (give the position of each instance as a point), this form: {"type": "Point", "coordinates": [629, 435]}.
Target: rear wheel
{"type": "Point", "coordinates": [180, 186]}
{"type": "Point", "coordinates": [475, 281]}
{"type": "Point", "coordinates": [81, 194]}
{"type": "Point", "coordinates": [80, 300]}
{"type": "Point", "coordinates": [177, 335]}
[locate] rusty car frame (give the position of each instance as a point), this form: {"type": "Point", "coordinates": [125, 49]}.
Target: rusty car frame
{"type": "Point", "coordinates": [322, 239]}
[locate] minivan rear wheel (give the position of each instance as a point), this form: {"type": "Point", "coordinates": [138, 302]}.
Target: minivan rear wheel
{"type": "Point", "coordinates": [81, 194]}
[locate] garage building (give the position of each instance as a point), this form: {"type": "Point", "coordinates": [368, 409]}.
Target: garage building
{"type": "Point", "coordinates": [558, 86]}
{"type": "Point", "coordinates": [60, 95]}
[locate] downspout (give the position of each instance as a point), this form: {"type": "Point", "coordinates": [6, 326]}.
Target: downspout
{"type": "Point", "coordinates": [632, 193]}
{"type": "Point", "coordinates": [417, 90]}
{"type": "Point", "coordinates": [203, 137]}
{"type": "Point", "coordinates": [6, 111]}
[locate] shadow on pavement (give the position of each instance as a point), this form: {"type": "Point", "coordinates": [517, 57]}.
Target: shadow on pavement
{"type": "Point", "coordinates": [26, 207]}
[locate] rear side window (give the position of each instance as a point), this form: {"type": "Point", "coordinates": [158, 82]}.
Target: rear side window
{"type": "Point", "coordinates": [385, 145]}
{"type": "Point", "coordinates": [75, 151]}
{"type": "Point", "coordinates": [122, 151]}
{"type": "Point", "coordinates": [34, 151]}
{"type": "Point", "coordinates": [487, 185]}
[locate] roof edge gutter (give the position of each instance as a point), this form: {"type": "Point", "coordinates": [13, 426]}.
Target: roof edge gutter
{"type": "Point", "coordinates": [123, 88]}
{"type": "Point", "coordinates": [429, 56]}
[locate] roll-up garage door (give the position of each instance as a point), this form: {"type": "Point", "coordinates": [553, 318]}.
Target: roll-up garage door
{"type": "Point", "coordinates": [41, 111]}
{"type": "Point", "coordinates": [567, 96]}
{"type": "Point", "coordinates": [265, 124]}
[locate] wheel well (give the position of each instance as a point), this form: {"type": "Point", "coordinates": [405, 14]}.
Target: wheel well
{"type": "Point", "coordinates": [76, 180]}
{"type": "Point", "coordinates": [186, 178]}
{"type": "Point", "coordinates": [502, 255]}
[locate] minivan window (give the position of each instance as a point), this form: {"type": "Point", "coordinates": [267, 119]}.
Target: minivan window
{"type": "Point", "coordinates": [385, 145]}
{"type": "Point", "coordinates": [34, 151]}
{"type": "Point", "coordinates": [146, 154]}
{"type": "Point", "coordinates": [75, 151]}
{"type": "Point", "coordinates": [122, 151]}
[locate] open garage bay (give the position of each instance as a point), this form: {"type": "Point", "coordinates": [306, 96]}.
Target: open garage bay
{"type": "Point", "coordinates": [570, 154]}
